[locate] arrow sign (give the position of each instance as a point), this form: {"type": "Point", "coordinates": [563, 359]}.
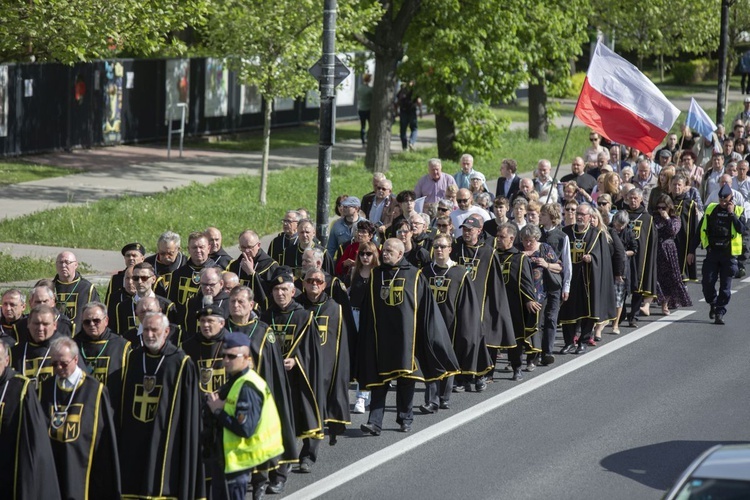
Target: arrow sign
{"type": "Point", "coordinates": [340, 71]}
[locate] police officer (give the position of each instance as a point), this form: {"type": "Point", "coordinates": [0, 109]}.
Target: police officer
{"type": "Point", "coordinates": [720, 233]}
{"type": "Point", "coordinates": [245, 411]}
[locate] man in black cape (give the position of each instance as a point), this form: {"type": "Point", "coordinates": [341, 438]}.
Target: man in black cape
{"type": "Point", "coordinates": [458, 303]}
{"type": "Point", "coordinates": [269, 363]}
{"type": "Point", "coordinates": [216, 250]}
{"type": "Point", "coordinates": [515, 268]}
{"type": "Point", "coordinates": [642, 225]}
{"type": "Point", "coordinates": [185, 280]}
{"type": "Point", "coordinates": [254, 267]}
{"type": "Point", "coordinates": [102, 352]}
{"type": "Point", "coordinates": [167, 259]}
{"type": "Point", "coordinates": [402, 337]}
{"type": "Point", "coordinates": [475, 253]}
{"type": "Point", "coordinates": [334, 331]}
{"type": "Point", "coordinates": [297, 331]}
{"type": "Point", "coordinates": [81, 428]}
{"type": "Point", "coordinates": [133, 253]}
{"type": "Point", "coordinates": [286, 238]}
{"type": "Point", "coordinates": [142, 281]}
{"type": "Point", "coordinates": [23, 439]}
{"type": "Point", "coordinates": [688, 209]}
{"type": "Point", "coordinates": [592, 285]}
{"type": "Point", "coordinates": [305, 240]}
{"type": "Point", "coordinates": [211, 294]}
{"type": "Point", "coordinates": [73, 290]}
{"type": "Point", "coordinates": [14, 305]}
{"type": "Point", "coordinates": [159, 423]}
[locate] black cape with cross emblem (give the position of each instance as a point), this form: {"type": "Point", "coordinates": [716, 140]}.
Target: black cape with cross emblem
{"type": "Point", "coordinates": [642, 225]}
{"type": "Point", "coordinates": [105, 361]}
{"type": "Point", "coordinates": [72, 296]}
{"type": "Point", "coordinates": [87, 428]}
{"type": "Point", "coordinates": [36, 364]}
{"type": "Point", "coordinates": [159, 432]}
{"type": "Point", "coordinates": [515, 268]}
{"type": "Point", "coordinates": [206, 354]}
{"type": "Point", "coordinates": [25, 443]}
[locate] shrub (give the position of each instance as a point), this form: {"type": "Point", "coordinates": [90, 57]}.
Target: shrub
{"type": "Point", "coordinates": [695, 71]}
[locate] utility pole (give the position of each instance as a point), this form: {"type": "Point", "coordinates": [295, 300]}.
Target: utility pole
{"type": "Point", "coordinates": [721, 95]}
{"type": "Point", "coordinates": [327, 118]}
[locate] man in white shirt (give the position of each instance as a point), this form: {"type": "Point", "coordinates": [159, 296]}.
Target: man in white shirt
{"type": "Point", "coordinates": [465, 208]}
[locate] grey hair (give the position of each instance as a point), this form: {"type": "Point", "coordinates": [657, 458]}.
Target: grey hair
{"type": "Point", "coordinates": [57, 345]}
{"type": "Point", "coordinates": [169, 237]}
{"type": "Point", "coordinates": [530, 231]}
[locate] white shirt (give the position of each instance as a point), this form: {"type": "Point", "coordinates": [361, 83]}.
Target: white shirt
{"type": "Point", "coordinates": [73, 379]}
{"type": "Point", "coordinates": [459, 216]}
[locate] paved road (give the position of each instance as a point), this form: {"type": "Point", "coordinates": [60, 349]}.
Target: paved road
{"type": "Point", "coordinates": [619, 422]}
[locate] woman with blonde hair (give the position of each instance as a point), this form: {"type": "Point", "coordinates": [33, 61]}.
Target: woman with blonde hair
{"type": "Point", "coordinates": [663, 186]}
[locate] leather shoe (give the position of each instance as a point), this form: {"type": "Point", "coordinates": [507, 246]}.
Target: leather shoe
{"type": "Point", "coordinates": [369, 429]}
{"type": "Point", "coordinates": [711, 312]}
{"type": "Point", "coordinates": [405, 428]}
{"type": "Point", "coordinates": [445, 405]}
{"type": "Point", "coordinates": [719, 319]}
{"type": "Point", "coordinates": [276, 487]}
{"type": "Point", "coordinates": [480, 385]}
{"type": "Point", "coordinates": [517, 375]}
{"type": "Point", "coordinates": [567, 349]}
{"type": "Point", "coordinates": [259, 493]}
{"type": "Point", "coordinates": [304, 467]}
{"type": "Point", "coordinates": [547, 359]}
{"type": "Point", "coordinates": [581, 349]}
{"type": "Point", "coordinates": [429, 408]}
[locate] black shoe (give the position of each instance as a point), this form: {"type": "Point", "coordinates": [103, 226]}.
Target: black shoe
{"type": "Point", "coordinates": [369, 429]}
{"type": "Point", "coordinates": [276, 487]}
{"type": "Point", "coordinates": [581, 349]}
{"type": "Point", "coordinates": [480, 385]}
{"type": "Point", "coordinates": [567, 349]}
{"type": "Point", "coordinates": [530, 366]}
{"type": "Point", "coordinates": [547, 359]}
{"type": "Point", "coordinates": [719, 319]}
{"type": "Point", "coordinates": [259, 492]}
{"type": "Point", "coordinates": [445, 405]}
{"type": "Point", "coordinates": [517, 375]}
{"type": "Point", "coordinates": [304, 467]}
{"type": "Point", "coordinates": [429, 408]}
{"type": "Point", "coordinates": [741, 273]}
{"type": "Point", "coordinates": [405, 428]}
{"type": "Point", "coordinates": [711, 312]}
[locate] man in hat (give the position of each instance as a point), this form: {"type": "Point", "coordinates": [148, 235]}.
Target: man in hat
{"type": "Point", "coordinates": [159, 422]}
{"type": "Point", "coordinates": [744, 115]}
{"type": "Point", "coordinates": [204, 348]}
{"type": "Point", "coordinates": [245, 413]}
{"type": "Point", "coordinates": [720, 232]}
{"type": "Point", "coordinates": [73, 290]}
{"type": "Point", "coordinates": [133, 253]}
{"type": "Point", "coordinates": [80, 426]}
{"type": "Point", "coordinates": [23, 438]}
{"type": "Point", "coordinates": [344, 229]}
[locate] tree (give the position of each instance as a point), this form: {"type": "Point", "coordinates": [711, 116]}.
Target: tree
{"type": "Point", "coordinates": [271, 44]}
{"type": "Point", "coordinates": [70, 31]}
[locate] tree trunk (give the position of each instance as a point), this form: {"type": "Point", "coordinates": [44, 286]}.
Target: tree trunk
{"type": "Point", "coordinates": [267, 111]}
{"type": "Point", "coordinates": [378, 155]}
{"type": "Point", "coordinates": [538, 121]}
{"type": "Point", "coordinates": [445, 128]}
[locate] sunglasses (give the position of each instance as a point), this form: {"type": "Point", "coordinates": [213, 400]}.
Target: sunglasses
{"type": "Point", "coordinates": [232, 356]}
{"type": "Point", "coordinates": [462, 200]}
{"type": "Point", "coordinates": [442, 209]}
{"type": "Point", "coordinates": [141, 278]}
{"type": "Point", "coordinates": [365, 254]}
{"type": "Point", "coordinates": [313, 281]}
{"type": "Point", "coordinates": [441, 247]}
{"type": "Point", "coordinates": [570, 209]}
{"type": "Point", "coordinates": [602, 203]}
{"type": "Point", "coordinates": [94, 321]}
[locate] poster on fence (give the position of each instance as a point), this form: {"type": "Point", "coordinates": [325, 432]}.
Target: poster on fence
{"type": "Point", "coordinates": [250, 100]}
{"type": "Point", "coordinates": [112, 126]}
{"type": "Point", "coordinates": [178, 88]}
{"type": "Point", "coordinates": [217, 88]}
{"type": "Point", "coordinates": [3, 101]}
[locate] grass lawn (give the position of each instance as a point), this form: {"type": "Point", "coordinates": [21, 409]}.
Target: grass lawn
{"type": "Point", "coordinates": [15, 172]}
{"type": "Point", "coordinates": [28, 268]}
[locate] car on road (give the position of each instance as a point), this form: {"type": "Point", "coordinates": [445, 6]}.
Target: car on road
{"type": "Point", "coordinates": [722, 472]}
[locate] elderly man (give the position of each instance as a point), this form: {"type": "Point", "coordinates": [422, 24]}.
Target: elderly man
{"type": "Point", "coordinates": [433, 185]}
{"type": "Point", "coordinates": [377, 177]}
{"type": "Point", "coordinates": [543, 183]}
{"type": "Point", "coordinates": [344, 229]}
{"type": "Point", "coordinates": [13, 306]}
{"type": "Point", "coordinates": [167, 259]}
{"type": "Point", "coordinates": [525, 190]}
{"type": "Point", "coordinates": [244, 414]}
{"type": "Point", "coordinates": [293, 254]}
{"type": "Point", "coordinates": [186, 280]}
{"type": "Point", "coordinates": [145, 306]}
{"type": "Point", "coordinates": [297, 334]}
{"type": "Point", "coordinates": [465, 209]}
{"type": "Point", "coordinates": [23, 438]}
{"type": "Point", "coordinates": [382, 208]}
{"type": "Point", "coordinates": [712, 176]}
{"type": "Point", "coordinates": [507, 183]}
{"type": "Point", "coordinates": [229, 281]}
{"type": "Point", "coordinates": [133, 253]}
{"type": "Point", "coordinates": [645, 179]}
{"type": "Point", "coordinates": [254, 267]}
{"type": "Point", "coordinates": [43, 294]}
{"type": "Point", "coordinates": [216, 251]}
{"type": "Point", "coordinates": [211, 294]}
{"type": "Point", "coordinates": [160, 419]}
{"type": "Point", "coordinates": [269, 363]}
{"type": "Point", "coordinates": [81, 427]}
{"type": "Point", "coordinates": [584, 180]}
{"type": "Point", "coordinates": [286, 238]}
{"type": "Point", "coordinates": [73, 290]}
{"type": "Point", "coordinates": [463, 176]}
{"type": "Point", "coordinates": [102, 351]}
{"type": "Point", "coordinates": [400, 338]}
{"type": "Point", "coordinates": [204, 348]}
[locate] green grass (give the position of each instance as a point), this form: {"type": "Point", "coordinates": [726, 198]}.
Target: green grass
{"type": "Point", "coordinates": [519, 112]}
{"type": "Point", "coordinates": [15, 172]}
{"type": "Point", "coordinates": [29, 268]}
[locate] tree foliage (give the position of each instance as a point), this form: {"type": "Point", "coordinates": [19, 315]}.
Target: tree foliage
{"type": "Point", "coordinates": [70, 31]}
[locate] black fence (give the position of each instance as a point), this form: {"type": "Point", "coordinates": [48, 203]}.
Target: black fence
{"type": "Point", "coordinates": [47, 107]}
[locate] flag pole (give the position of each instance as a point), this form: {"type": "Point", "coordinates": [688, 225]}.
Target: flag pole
{"type": "Point", "coordinates": [565, 144]}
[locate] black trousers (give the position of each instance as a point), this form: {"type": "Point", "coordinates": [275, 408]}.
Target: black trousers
{"type": "Point", "coordinates": [404, 403]}
{"type": "Point", "coordinates": [718, 266]}
{"type": "Point", "coordinates": [569, 331]}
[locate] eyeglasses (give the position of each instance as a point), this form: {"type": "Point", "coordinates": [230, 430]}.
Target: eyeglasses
{"type": "Point", "coordinates": [443, 209]}
{"type": "Point", "coordinates": [462, 200]}
{"type": "Point", "coordinates": [289, 221]}
{"type": "Point", "coordinates": [403, 231]}
{"type": "Point", "coordinates": [141, 278]}
{"type": "Point", "coordinates": [593, 138]}
{"type": "Point", "coordinates": [232, 356]}
{"type": "Point", "coordinates": [380, 188]}
{"type": "Point", "coordinates": [211, 284]}
{"type": "Point", "coordinates": [313, 281]}
{"type": "Point", "coordinates": [570, 209]}
{"type": "Point", "coordinates": [66, 262]}
{"type": "Point", "coordinates": [440, 247]}
{"type": "Point", "coordinates": [92, 321]}
{"type": "Point", "coordinates": [365, 254]}
{"type": "Point", "coordinates": [602, 203]}
{"type": "Point", "coordinates": [62, 364]}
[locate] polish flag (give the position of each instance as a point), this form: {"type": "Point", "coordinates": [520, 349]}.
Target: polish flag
{"type": "Point", "coordinates": [622, 104]}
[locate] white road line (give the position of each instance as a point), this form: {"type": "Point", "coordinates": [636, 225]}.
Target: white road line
{"type": "Point", "coordinates": [373, 461]}
{"type": "Point", "coordinates": [703, 300]}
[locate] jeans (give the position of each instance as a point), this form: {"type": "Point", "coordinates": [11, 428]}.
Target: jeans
{"type": "Point", "coordinates": [364, 119]}
{"type": "Point", "coordinates": [408, 119]}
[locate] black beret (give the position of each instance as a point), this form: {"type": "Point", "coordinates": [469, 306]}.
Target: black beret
{"type": "Point", "coordinates": [236, 339]}
{"type": "Point", "coordinates": [212, 311]}
{"type": "Point", "coordinates": [281, 275]}
{"type": "Point", "coordinates": [133, 246]}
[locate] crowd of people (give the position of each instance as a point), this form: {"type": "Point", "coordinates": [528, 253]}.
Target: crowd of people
{"type": "Point", "coordinates": [200, 374]}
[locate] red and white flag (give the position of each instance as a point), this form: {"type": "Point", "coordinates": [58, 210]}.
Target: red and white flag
{"type": "Point", "coordinates": [622, 104]}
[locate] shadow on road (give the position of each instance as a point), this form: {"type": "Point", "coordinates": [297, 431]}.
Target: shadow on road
{"type": "Point", "coordinates": [658, 465]}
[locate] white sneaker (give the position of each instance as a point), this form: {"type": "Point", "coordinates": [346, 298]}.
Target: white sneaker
{"type": "Point", "coordinates": [359, 406]}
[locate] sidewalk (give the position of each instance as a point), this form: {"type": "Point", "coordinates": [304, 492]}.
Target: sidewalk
{"type": "Point", "coordinates": [137, 170]}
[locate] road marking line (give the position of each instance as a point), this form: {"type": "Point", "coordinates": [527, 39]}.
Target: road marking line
{"type": "Point", "coordinates": [703, 299]}
{"type": "Point", "coordinates": [388, 453]}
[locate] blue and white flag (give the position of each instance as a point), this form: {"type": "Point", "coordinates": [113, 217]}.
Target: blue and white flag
{"type": "Point", "coordinates": [698, 120]}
